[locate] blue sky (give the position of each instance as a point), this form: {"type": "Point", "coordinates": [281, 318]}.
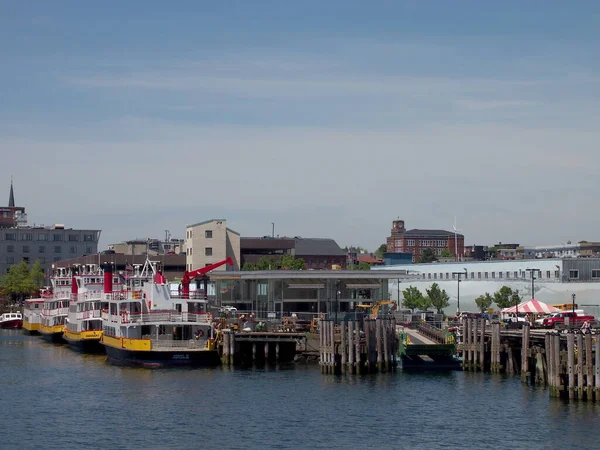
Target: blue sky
{"type": "Point", "coordinates": [327, 118]}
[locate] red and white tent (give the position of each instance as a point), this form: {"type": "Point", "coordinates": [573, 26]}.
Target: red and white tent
{"type": "Point", "coordinates": [531, 306]}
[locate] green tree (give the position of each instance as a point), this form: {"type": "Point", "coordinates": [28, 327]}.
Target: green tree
{"type": "Point", "coordinates": [446, 253]}
{"type": "Point", "coordinates": [502, 298]}
{"type": "Point", "coordinates": [381, 250]}
{"type": "Point", "coordinates": [37, 275]}
{"type": "Point", "coordinates": [515, 298]}
{"type": "Point", "coordinates": [428, 256]}
{"type": "Point", "coordinates": [360, 266]}
{"type": "Point", "coordinates": [18, 283]}
{"type": "Point", "coordinates": [413, 299]}
{"type": "Point", "coordinates": [483, 302]}
{"type": "Point", "coordinates": [438, 298]}
{"type": "Point", "coordinates": [266, 263]}
{"type": "Point", "coordinates": [426, 303]}
{"type": "Point", "coordinates": [249, 266]}
{"type": "Point", "coordinates": [288, 262]}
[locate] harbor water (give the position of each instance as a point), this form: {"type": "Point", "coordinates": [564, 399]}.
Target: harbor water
{"type": "Point", "coordinates": [53, 397]}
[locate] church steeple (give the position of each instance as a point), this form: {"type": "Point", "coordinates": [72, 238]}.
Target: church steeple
{"type": "Point", "coordinates": [11, 197]}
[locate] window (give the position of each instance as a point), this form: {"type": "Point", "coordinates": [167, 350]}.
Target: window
{"type": "Point", "coordinates": [493, 275]}
{"type": "Point", "coordinates": [507, 274]}
{"type": "Point", "coordinates": [479, 275]}
{"type": "Point", "coordinates": [429, 276]}
{"type": "Point", "coordinates": [499, 274]}
{"type": "Point", "coordinates": [26, 259]}
{"type": "Point", "coordinates": [42, 260]}
{"type": "Point", "coordinates": [73, 238]}
{"type": "Point", "coordinates": [547, 274]}
{"type": "Point", "coordinates": [191, 251]}
{"type": "Point", "coordinates": [516, 274]}
{"type": "Point", "coordinates": [88, 238]}
{"type": "Point", "coordinates": [557, 274]}
{"type": "Point", "coordinates": [42, 237]}
{"type": "Point", "coordinates": [26, 236]}
{"type": "Point", "coordinates": [26, 249]}
{"type": "Point", "coordinates": [10, 236]}
{"type": "Point", "coordinates": [447, 276]}
{"type": "Point", "coordinates": [10, 248]}
{"type": "Point", "coordinates": [208, 234]}
{"type": "Point", "coordinates": [486, 275]}
{"type": "Point", "coordinates": [58, 237]}
{"type": "Point", "coordinates": [595, 273]}
{"type": "Point", "coordinates": [472, 275]}
{"type": "Point", "coordinates": [573, 274]}
{"type": "Point", "coordinates": [435, 276]}
{"type": "Point", "coordinates": [42, 249]}
{"type": "Point", "coordinates": [208, 251]}
{"type": "Point", "coordinates": [57, 249]}
{"type": "Point", "coordinates": [56, 258]}
{"type": "Point", "coordinates": [74, 249]}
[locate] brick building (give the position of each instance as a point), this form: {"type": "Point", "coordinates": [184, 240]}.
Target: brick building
{"type": "Point", "coordinates": [415, 241]}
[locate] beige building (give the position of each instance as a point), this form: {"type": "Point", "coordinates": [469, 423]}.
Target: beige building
{"type": "Point", "coordinates": [209, 242]}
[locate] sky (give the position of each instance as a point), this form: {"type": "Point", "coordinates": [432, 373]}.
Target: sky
{"type": "Point", "coordinates": [329, 119]}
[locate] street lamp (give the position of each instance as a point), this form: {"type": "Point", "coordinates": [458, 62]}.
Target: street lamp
{"type": "Point", "coordinates": [532, 271]}
{"type": "Point", "coordinates": [573, 304]}
{"type": "Point", "coordinates": [459, 274]}
{"type": "Point", "coordinates": [337, 293]}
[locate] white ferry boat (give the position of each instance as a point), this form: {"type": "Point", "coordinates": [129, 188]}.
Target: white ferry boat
{"type": "Point", "coordinates": [89, 295]}
{"type": "Point", "coordinates": [56, 307]}
{"type": "Point", "coordinates": [145, 326]}
{"type": "Point", "coordinates": [32, 319]}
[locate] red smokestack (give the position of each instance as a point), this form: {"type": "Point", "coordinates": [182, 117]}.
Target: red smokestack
{"type": "Point", "coordinates": [74, 287]}
{"type": "Point", "coordinates": [108, 278]}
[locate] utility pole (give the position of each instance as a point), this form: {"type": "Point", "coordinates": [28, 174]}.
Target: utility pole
{"type": "Point", "coordinates": [533, 272]}
{"type": "Point", "coordinates": [459, 274]}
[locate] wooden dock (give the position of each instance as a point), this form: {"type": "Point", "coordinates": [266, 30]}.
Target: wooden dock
{"type": "Point", "coordinates": [259, 348]}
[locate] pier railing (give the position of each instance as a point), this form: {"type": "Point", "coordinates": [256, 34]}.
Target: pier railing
{"type": "Point", "coordinates": [158, 316]}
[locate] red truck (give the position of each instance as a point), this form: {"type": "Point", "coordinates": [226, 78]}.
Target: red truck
{"type": "Point", "coordinates": [559, 319]}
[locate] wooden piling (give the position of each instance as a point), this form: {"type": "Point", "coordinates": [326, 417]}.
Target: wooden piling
{"type": "Point", "coordinates": [548, 347]}
{"type": "Point", "coordinates": [466, 344]}
{"type": "Point", "coordinates": [266, 350]}
{"type": "Point", "coordinates": [225, 353]}
{"type": "Point", "coordinates": [580, 363]}
{"type": "Point", "coordinates": [525, 353]}
{"type": "Point", "coordinates": [386, 335]}
{"type": "Point", "coordinates": [343, 349]}
{"type": "Point", "coordinates": [589, 367]}
{"type": "Point", "coordinates": [232, 348]}
{"type": "Point", "coordinates": [378, 337]}
{"type": "Point", "coordinates": [557, 367]}
{"type": "Point", "coordinates": [357, 359]}
{"type": "Point", "coordinates": [597, 390]}
{"type": "Point", "coordinates": [366, 326]}
{"type": "Point", "coordinates": [481, 344]}
{"type": "Point", "coordinates": [351, 353]}
{"type": "Point", "coordinates": [570, 360]}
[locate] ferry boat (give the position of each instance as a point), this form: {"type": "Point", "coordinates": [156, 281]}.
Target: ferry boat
{"type": "Point", "coordinates": [56, 307]}
{"type": "Point", "coordinates": [32, 319]}
{"type": "Point", "coordinates": [11, 320]}
{"type": "Point", "coordinates": [83, 325]}
{"type": "Point", "coordinates": [144, 325]}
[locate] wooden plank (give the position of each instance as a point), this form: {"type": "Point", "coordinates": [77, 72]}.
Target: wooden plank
{"type": "Point", "coordinates": [557, 364]}
{"type": "Point", "coordinates": [343, 337]}
{"type": "Point", "coordinates": [351, 346]}
{"type": "Point", "coordinates": [580, 363]}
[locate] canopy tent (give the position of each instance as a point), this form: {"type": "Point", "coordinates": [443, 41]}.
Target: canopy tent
{"type": "Point", "coordinates": [531, 306]}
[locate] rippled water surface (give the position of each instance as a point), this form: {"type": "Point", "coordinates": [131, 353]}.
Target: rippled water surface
{"type": "Point", "coordinates": [53, 397]}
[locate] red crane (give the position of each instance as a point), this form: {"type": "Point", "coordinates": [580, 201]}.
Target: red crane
{"type": "Point", "coordinates": [189, 276]}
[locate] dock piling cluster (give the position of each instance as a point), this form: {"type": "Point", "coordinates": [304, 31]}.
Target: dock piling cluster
{"type": "Point", "coordinates": [358, 346]}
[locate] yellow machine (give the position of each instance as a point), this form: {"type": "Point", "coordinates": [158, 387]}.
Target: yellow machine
{"type": "Point", "coordinates": [380, 308]}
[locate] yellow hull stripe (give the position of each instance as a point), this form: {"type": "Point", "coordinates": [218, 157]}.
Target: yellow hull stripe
{"type": "Point", "coordinates": [51, 330]}
{"type": "Point", "coordinates": [83, 335]}
{"type": "Point", "coordinates": [140, 345]}
{"type": "Point", "coordinates": [31, 326]}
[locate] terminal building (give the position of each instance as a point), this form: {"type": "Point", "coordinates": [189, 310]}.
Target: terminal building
{"type": "Point", "coordinates": [48, 244]}
{"type": "Point", "coordinates": [555, 280]}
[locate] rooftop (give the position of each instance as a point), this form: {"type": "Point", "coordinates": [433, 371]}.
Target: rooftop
{"type": "Point", "coordinates": [317, 247]}
{"type": "Point", "coordinates": [431, 233]}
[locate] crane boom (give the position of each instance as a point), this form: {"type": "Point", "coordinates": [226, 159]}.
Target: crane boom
{"type": "Point", "coordinates": [189, 276]}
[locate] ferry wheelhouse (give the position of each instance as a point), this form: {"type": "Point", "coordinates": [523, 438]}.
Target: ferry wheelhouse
{"type": "Point", "coordinates": [56, 307]}
{"type": "Point", "coordinates": [83, 327]}
{"type": "Point", "coordinates": [144, 325]}
{"type": "Point", "coordinates": [32, 319]}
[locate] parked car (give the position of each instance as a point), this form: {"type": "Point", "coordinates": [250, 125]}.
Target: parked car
{"type": "Point", "coordinates": [559, 319]}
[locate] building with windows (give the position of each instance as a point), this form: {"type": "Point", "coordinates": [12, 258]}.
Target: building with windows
{"type": "Point", "coordinates": [209, 242]}
{"type": "Point", "coordinates": [149, 246]}
{"type": "Point", "coordinates": [555, 280]}
{"type": "Point", "coordinates": [19, 241]}
{"type": "Point", "coordinates": [415, 241]}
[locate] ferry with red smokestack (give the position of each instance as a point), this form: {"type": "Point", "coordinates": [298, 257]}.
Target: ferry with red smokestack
{"type": "Point", "coordinates": [145, 325]}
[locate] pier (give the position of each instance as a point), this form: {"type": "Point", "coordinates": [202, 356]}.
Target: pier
{"type": "Point", "coordinates": [250, 348]}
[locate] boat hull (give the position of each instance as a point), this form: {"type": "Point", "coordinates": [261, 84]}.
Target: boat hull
{"type": "Point", "coordinates": [170, 358]}
{"type": "Point", "coordinates": [84, 345]}
{"type": "Point", "coordinates": [31, 329]}
{"type": "Point", "coordinates": [52, 334]}
{"type": "Point", "coordinates": [15, 323]}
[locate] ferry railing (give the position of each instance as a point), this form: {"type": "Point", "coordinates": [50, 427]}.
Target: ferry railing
{"type": "Point", "coordinates": [91, 314]}
{"type": "Point", "coordinates": [166, 316]}
{"type": "Point", "coordinates": [191, 344]}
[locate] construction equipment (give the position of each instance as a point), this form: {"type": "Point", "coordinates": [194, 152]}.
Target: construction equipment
{"type": "Point", "coordinates": [379, 309]}
{"type": "Point", "coordinates": [189, 276]}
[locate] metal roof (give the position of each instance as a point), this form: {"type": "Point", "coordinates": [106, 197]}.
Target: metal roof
{"type": "Point", "coordinates": [317, 247]}
{"type": "Point", "coordinates": [431, 233]}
